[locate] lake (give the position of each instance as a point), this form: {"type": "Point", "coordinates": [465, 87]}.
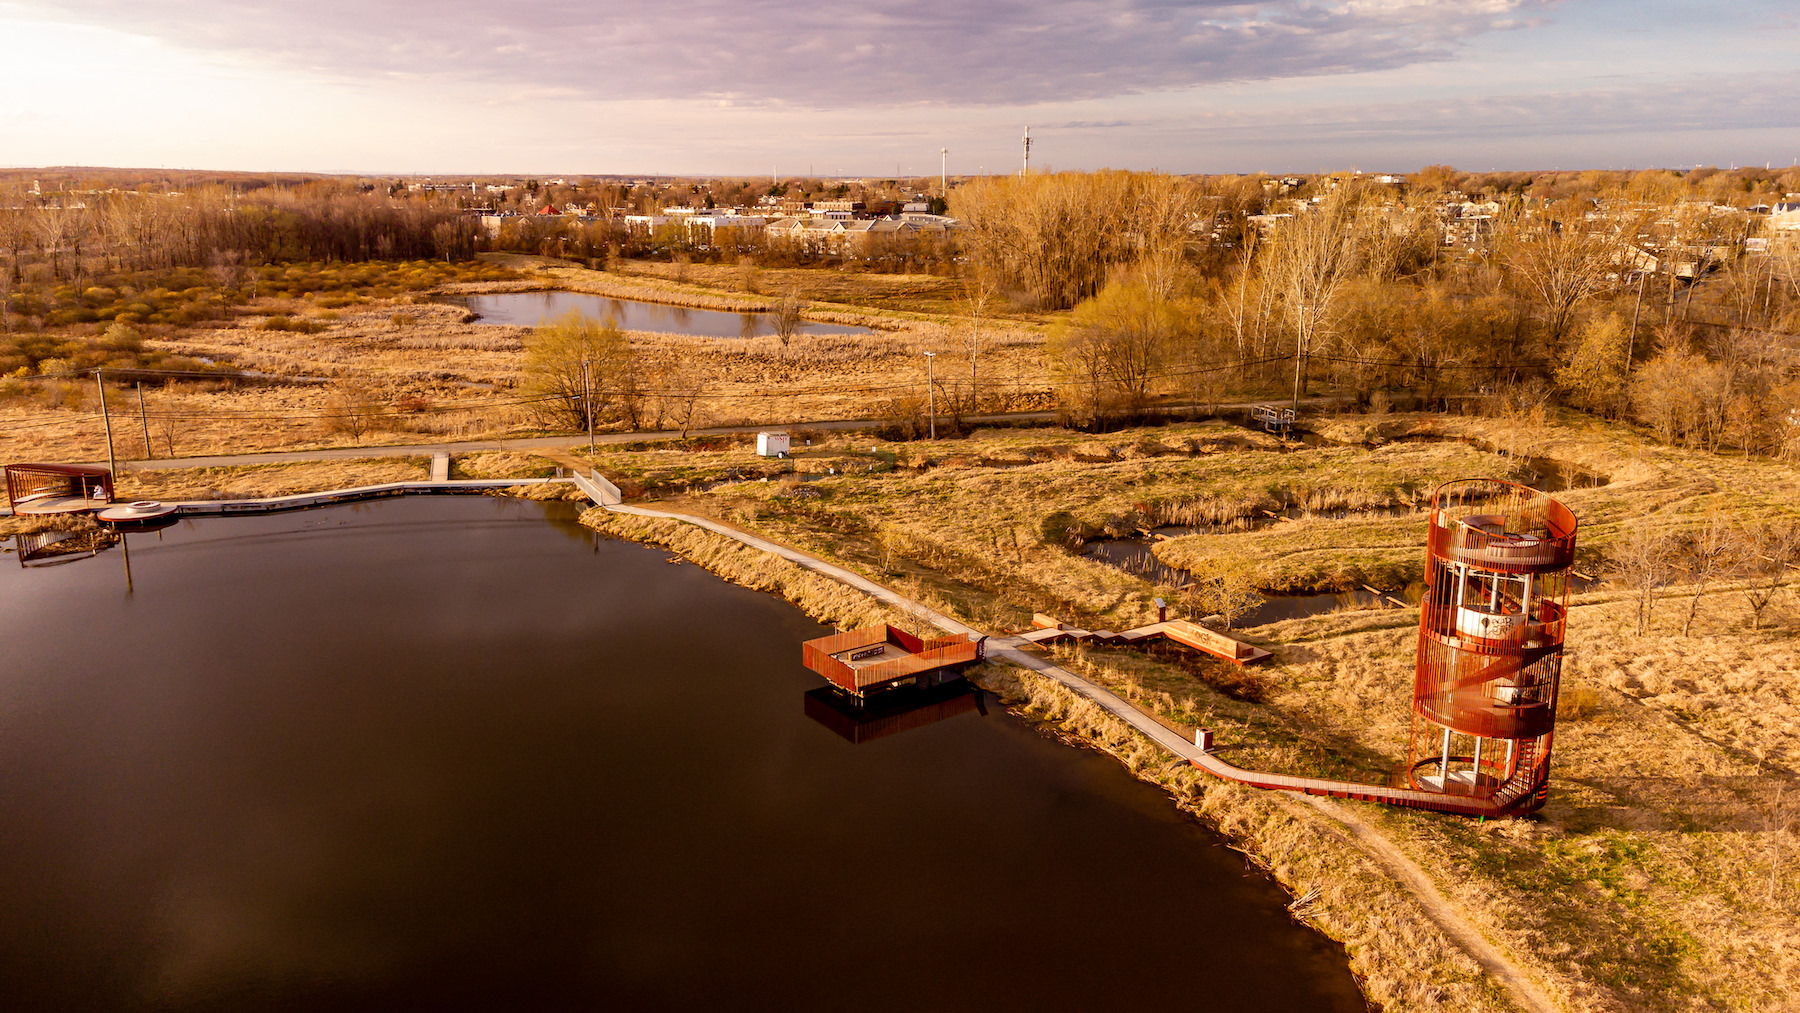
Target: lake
{"type": "Point", "coordinates": [462, 753]}
{"type": "Point", "coordinates": [528, 309]}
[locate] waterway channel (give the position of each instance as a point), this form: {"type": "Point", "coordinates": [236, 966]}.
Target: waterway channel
{"type": "Point", "coordinates": [461, 753]}
{"type": "Point", "coordinates": [528, 309]}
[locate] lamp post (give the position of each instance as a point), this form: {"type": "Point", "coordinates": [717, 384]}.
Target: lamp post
{"type": "Point", "coordinates": [112, 460]}
{"type": "Point", "coordinates": [144, 417]}
{"type": "Point", "coordinates": [931, 391]}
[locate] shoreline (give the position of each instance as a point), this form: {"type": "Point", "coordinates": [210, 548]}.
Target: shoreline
{"type": "Point", "coordinates": [1387, 930]}
{"type": "Point", "coordinates": [1340, 887]}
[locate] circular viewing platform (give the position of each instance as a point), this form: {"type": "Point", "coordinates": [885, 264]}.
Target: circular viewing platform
{"type": "Point", "coordinates": [60, 505]}
{"type": "Point", "coordinates": [140, 512]}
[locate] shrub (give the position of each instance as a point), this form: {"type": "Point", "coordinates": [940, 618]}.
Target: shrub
{"type": "Point", "coordinates": [286, 323]}
{"type": "Point", "coordinates": [1063, 529]}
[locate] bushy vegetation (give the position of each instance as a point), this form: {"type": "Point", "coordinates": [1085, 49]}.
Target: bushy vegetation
{"type": "Point", "coordinates": [119, 346]}
{"type": "Point", "coordinates": [1622, 296]}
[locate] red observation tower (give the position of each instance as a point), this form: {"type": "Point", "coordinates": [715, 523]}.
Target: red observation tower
{"type": "Point", "coordinates": [1498, 559]}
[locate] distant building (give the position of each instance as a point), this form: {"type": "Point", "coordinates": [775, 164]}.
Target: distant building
{"type": "Point", "coordinates": [838, 209]}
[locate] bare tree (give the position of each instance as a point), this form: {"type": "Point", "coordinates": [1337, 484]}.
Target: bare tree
{"type": "Point", "coordinates": [351, 408]}
{"type": "Point", "coordinates": [1112, 347]}
{"type": "Point", "coordinates": [1768, 554]}
{"type": "Point", "coordinates": [1316, 254]}
{"type": "Point", "coordinates": [168, 418]}
{"type": "Point", "coordinates": [1644, 561]}
{"type": "Point", "coordinates": [787, 314]}
{"type": "Point", "coordinates": [578, 368]}
{"type": "Point", "coordinates": [1162, 220]}
{"type": "Point", "coordinates": [976, 295]}
{"type": "Point", "coordinates": [1558, 262]}
{"type": "Point", "coordinates": [1709, 558]}
{"type": "Point", "coordinates": [1226, 586]}
{"type": "Point", "coordinates": [48, 224]}
{"type": "Point", "coordinates": [1051, 237]}
{"type": "Point", "coordinates": [15, 230]}
{"type": "Point", "coordinates": [1594, 377]}
{"type": "Point", "coordinates": [683, 387]}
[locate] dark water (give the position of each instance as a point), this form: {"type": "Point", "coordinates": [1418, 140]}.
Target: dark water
{"type": "Point", "coordinates": [528, 309]}
{"type": "Point", "coordinates": [458, 754]}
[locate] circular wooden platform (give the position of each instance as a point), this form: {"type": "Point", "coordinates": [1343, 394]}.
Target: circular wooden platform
{"type": "Point", "coordinates": [60, 505]}
{"type": "Point", "coordinates": [140, 512]}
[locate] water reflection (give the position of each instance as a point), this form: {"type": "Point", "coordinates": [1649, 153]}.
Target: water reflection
{"type": "Point", "coordinates": [440, 751]}
{"type": "Point", "coordinates": [57, 548]}
{"type": "Point", "coordinates": [528, 309]}
{"type": "Point", "coordinates": [893, 712]}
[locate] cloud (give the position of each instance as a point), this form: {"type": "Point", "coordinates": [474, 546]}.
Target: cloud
{"type": "Point", "coordinates": [884, 53]}
{"type": "Point", "coordinates": [1691, 104]}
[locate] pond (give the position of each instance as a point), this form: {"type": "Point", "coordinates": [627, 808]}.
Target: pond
{"type": "Point", "coordinates": [528, 309]}
{"type": "Point", "coordinates": [462, 753]}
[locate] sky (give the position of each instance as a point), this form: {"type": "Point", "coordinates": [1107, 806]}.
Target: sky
{"type": "Point", "coordinates": [752, 87]}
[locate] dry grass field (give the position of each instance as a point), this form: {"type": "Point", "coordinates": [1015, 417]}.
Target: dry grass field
{"type": "Point", "coordinates": [1661, 876]}
{"type": "Point", "coordinates": [968, 517]}
{"type": "Point", "coordinates": [431, 374]}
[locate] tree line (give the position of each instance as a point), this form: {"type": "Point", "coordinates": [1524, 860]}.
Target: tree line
{"type": "Point", "coordinates": [1679, 316]}
{"type": "Point", "coordinates": [74, 234]}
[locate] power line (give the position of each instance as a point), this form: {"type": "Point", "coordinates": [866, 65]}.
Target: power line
{"type": "Point", "coordinates": [1402, 364]}
{"type": "Point", "coordinates": [373, 410]}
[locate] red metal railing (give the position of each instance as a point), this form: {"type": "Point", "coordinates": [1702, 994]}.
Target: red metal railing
{"type": "Point", "coordinates": [1491, 629]}
{"type": "Point", "coordinates": [26, 482]}
{"type": "Point", "coordinates": [920, 655]}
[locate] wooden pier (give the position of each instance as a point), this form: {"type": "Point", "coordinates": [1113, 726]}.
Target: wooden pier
{"type": "Point", "coordinates": [875, 658]}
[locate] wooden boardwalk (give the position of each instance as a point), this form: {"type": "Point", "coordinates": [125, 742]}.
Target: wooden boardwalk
{"type": "Point", "coordinates": [302, 501]}
{"type": "Point", "coordinates": [1012, 650]}
{"type": "Point", "coordinates": [1180, 631]}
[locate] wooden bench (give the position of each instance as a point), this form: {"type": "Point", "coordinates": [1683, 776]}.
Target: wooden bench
{"type": "Point", "coordinates": [1211, 641]}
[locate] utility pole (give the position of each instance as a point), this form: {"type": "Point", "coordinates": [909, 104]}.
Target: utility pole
{"type": "Point", "coordinates": [1027, 170]}
{"type": "Point", "coordinates": [1631, 342]}
{"type": "Point", "coordinates": [944, 173]}
{"type": "Point", "coordinates": [587, 406]}
{"type": "Point", "coordinates": [1299, 348]}
{"type": "Point", "coordinates": [931, 391]}
{"type": "Point", "coordinates": [145, 419]}
{"type": "Point", "coordinates": [112, 461]}
{"type": "Point", "coordinates": [974, 344]}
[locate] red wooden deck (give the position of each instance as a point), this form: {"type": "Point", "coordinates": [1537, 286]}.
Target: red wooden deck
{"type": "Point", "coordinates": [874, 658]}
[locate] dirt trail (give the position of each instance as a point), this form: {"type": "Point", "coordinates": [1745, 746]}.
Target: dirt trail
{"type": "Point", "coordinates": [1440, 910]}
